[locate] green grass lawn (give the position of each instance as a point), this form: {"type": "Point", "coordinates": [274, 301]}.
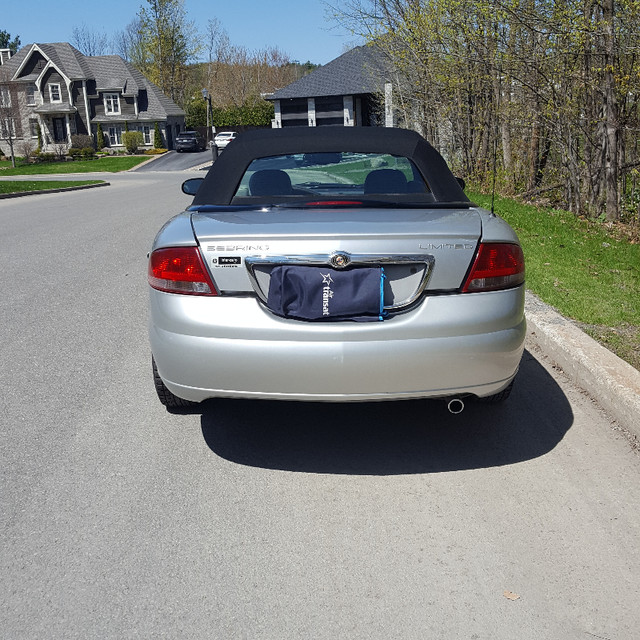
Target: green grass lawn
{"type": "Point", "coordinates": [17, 186]}
{"type": "Point", "coordinates": [111, 165]}
{"type": "Point", "coordinates": [588, 272]}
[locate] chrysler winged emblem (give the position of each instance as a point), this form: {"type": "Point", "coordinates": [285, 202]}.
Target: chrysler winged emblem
{"type": "Point", "coordinates": [340, 260]}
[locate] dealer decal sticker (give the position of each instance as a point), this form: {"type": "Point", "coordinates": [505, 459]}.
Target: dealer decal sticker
{"type": "Point", "coordinates": [227, 261]}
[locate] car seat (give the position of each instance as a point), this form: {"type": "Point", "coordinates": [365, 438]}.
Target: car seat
{"type": "Point", "coordinates": [270, 182]}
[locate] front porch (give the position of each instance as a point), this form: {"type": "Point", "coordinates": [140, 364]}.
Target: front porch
{"type": "Point", "coordinates": [57, 124]}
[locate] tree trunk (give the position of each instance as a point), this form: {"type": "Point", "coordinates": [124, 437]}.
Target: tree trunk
{"type": "Point", "coordinates": [612, 127]}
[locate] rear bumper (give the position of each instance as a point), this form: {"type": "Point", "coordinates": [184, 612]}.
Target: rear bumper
{"type": "Point", "coordinates": [232, 347]}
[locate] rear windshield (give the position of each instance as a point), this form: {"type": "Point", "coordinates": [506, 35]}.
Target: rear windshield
{"type": "Point", "coordinates": [340, 176]}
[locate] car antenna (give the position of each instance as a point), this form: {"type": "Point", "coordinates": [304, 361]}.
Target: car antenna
{"type": "Point", "coordinates": [495, 136]}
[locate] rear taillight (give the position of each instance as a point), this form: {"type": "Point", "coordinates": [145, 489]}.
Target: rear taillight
{"type": "Point", "coordinates": [497, 266]}
{"type": "Point", "coordinates": [180, 270]}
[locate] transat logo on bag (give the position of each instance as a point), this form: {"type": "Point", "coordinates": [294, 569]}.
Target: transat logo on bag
{"type": "Point", "coordinates": [327, 293]}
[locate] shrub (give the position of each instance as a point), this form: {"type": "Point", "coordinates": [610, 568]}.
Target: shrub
{"type": "Point", "coordinates": [99, 137]}
{"type": "Point", "coordinates": [154, 152]}
{"type": "Point", "coordinates": [75, 153]}
{"type": "Point", "coordinates": [60, 151]}
{"type": "Point", "coordinates": [27, 150]}
{"type": "Point", "coordinates": [47, 157]}
{"type": "Point", "coordinates": [132, 140]}
{"type": "Point", "coordinates": [157, 137]}
{"type": "Point", "coordinates": [80, 141]}
{"type": "Point", "coordinates": [87, 152]}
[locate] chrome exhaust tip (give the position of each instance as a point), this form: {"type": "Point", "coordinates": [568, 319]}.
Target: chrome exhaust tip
{"type": "Point", "coordinates": [455, 406]}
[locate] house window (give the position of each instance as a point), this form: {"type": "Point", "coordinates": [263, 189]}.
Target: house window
{"type": "Point", "coordinates": [31, 95]}
{"type": "Point", "coordinates": [5, 97]}
{"type": "Point", "coordinates": [33, 127]}
{"type": "Point", "coordinates": [112, 104]}
{"type": "Point", "coordinates": [115, 135]}
{"type": "Point", "coordinates": [146, 133]}
{"type": "Point", "coordinates": [54, 93]}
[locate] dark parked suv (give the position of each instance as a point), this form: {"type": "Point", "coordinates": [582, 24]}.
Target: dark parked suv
{"type": "Point", "coordinates": [190, 141]}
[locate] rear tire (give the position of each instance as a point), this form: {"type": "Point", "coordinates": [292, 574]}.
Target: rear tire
{"type": "Point", "coordinates": [168, 399]}
{"type": "Point", "coordinates": [499, 397]}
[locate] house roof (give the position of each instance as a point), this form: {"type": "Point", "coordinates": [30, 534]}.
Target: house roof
{"type": "Point", "coordinates": [55, 108]}
{"type": "Point", "coordinates": [360, 70]}
{"type": "Point", "coordinates": [65, 57]}
{"type": "Point", "coordinates": [112, 73]}
{"type": "Point", "coordinates": [68, 59]}
{"type": "Point", "coordinates": [109, 72]}
{"type": "Point", "coordinates": [159, 104]}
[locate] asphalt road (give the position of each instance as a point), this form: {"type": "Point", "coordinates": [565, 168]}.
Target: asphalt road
{"type": "Point", "coordinates": [262, 520]}
{"type": "Point", "coordinates": [174, 161]}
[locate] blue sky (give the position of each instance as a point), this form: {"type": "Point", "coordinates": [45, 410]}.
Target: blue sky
{"type": "Point", "coordinates": [300, 28]}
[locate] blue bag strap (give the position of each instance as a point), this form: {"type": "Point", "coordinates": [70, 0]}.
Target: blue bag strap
{"type": "Point", "coordinates": [383, 313]}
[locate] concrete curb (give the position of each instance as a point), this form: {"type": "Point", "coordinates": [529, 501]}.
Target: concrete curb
{"type": "Point", "coordinates": [609, 380]}
{"type": "Point", "coordinates": [82, 187]}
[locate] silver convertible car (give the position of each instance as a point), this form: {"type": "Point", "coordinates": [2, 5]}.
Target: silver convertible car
{"type": "Point", "coordinates": [334, 264]}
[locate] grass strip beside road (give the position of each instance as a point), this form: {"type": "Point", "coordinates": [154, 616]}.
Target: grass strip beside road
{"type": "Point", "coordinates": [21, 186]}
{"type": "Point", "coordinates": [111, 164]}
{"type": "Point", "coordinates": [589, 272]}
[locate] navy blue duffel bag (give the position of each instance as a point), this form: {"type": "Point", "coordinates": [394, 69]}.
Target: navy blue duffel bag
{"type": "Point", "coordinates": [322, 293]}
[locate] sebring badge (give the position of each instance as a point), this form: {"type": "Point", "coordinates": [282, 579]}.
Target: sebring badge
{"type": "Point", "coordinates": [340, 260]}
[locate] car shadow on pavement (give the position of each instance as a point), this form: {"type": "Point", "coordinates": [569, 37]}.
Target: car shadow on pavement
{"type": "Point", "coordinates": [389, 438]}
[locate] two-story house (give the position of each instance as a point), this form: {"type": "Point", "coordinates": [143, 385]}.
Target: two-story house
{"type": "Point", "coordinates": [64, 92]}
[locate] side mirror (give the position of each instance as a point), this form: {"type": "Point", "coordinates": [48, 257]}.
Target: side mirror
{"type": "Point", "coordinates": [191, 186]}
{"type": "Point", "coordinates": [462, 183]}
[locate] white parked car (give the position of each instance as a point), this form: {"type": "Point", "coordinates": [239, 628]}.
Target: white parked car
{"type": "Point", "coordinates": [224, 138]}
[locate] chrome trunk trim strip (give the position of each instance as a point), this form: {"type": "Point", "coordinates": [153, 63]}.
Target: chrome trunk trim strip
{"type": "Point", "coordinates": [424, 261]}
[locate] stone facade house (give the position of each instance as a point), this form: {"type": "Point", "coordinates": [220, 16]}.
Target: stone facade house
{"type": "Point", "coordinates": [63, 92]}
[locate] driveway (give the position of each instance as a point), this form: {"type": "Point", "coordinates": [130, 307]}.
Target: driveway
{"type": "Point", "coordinates": [174, 161]}
{"type": "Point", "coordinates": [268, 520]}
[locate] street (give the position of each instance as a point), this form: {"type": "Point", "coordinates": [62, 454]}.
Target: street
{"type": "Point", "coordinates": [266, 520]}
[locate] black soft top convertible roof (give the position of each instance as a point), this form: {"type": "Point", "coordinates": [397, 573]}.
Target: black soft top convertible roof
{"type": "Point", "coordinates": [222, 180]}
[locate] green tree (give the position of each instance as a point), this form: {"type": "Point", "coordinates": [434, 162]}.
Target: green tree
{"type": "Point", "coordinates": [7, 43]}
{"type": "Point", "coordinates": [196, 110]}
{"type": "Point", "coordinates": [542, 96]}
{"type": "Point", "coordinates": [168, 42]}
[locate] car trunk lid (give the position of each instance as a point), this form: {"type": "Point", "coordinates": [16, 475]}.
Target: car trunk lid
{"type": "Point", "coordinates": [419, 249]}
